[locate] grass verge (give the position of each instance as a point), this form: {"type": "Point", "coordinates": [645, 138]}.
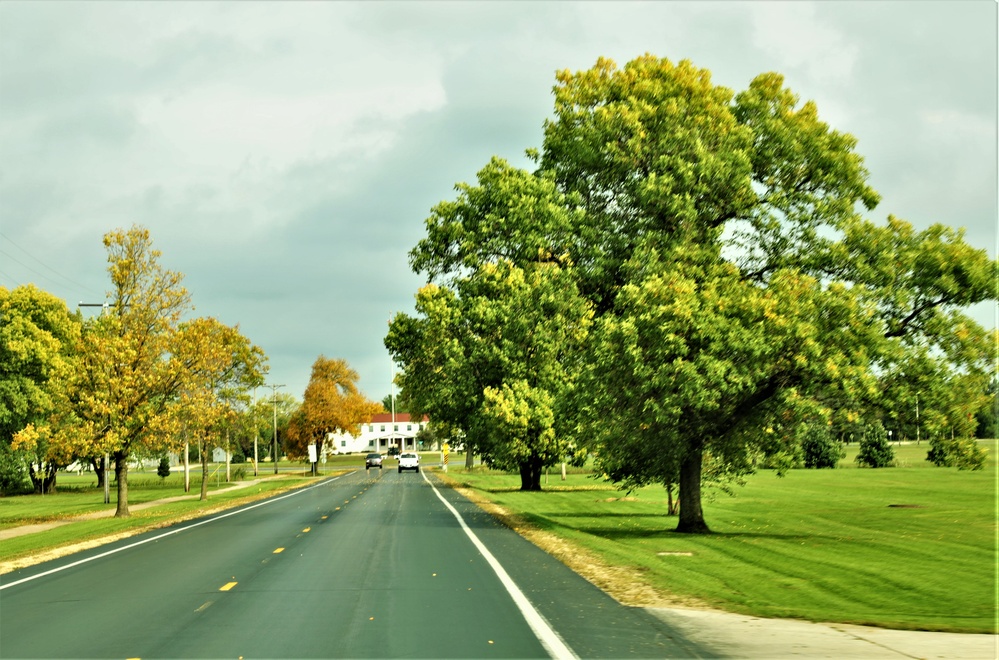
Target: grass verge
{"type": "Point", "coordinates": [911, 547]}
{"type": "Point", "coordinates": [77, 529]}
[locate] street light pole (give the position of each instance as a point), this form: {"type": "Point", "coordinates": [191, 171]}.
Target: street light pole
{"type": "Point", "coordinates": [274, 401]}
{"type": "Point", "coordinates": [256, 432]}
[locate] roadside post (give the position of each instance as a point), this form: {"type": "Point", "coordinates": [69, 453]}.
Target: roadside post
{"type": "Point", "coordinates": [445, 449]}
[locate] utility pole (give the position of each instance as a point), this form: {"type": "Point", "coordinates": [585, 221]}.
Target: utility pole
{"type": "Point", "coordinates": [256, 431]}
{"type": "Point", "coordinates": [274, 401]}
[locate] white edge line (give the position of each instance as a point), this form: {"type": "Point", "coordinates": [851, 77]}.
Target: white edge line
{"type": "Point", "coordinates": [164, 534]}
{"type": "Point", "coordinates": [555, 645]}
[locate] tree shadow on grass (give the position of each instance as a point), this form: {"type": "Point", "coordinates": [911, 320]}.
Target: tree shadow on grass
{"type": "Point", "coordinates": [551, 522]}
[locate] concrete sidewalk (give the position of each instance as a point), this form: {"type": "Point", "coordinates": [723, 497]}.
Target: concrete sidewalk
{"type": "Point", "coordinates": [738, 636]}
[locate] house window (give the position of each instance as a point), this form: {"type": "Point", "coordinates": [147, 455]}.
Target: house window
{"type": "Point", "coordinates": [396, 428]}
{"type": "Point", "coordinates": [409, 427]}
{"type": "Point", "coordinates": [343, 443]}
{"type": "Point", "coordinates": [383, 427]}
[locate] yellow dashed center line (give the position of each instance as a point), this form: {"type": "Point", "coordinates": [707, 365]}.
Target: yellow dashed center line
{"type": "Point", "coordinates": [278, 551]}
{"type": "Point", "coordinates": [228, 585]}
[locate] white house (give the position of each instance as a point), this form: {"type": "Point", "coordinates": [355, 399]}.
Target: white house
{"type": "Point", "coordinates": [383, 431]}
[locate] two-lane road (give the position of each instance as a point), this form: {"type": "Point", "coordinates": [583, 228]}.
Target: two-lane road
{"type": "Point", "coordinates": [371, 564]}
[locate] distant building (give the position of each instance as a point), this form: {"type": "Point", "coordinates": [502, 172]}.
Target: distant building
{"type": "Point", "coordinates": [379, 434]}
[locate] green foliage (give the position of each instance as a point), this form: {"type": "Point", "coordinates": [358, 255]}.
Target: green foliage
{"type": "Point", "coordinates": [819, 448]}
{"type": "Point", "coordinates": [13, 476]}
{"type": "Point", "coordinates": [987, 417]}
{"type": "Point", "coordinates": [875, 450]}
{"type": "Point", "coordinates": [736, 290]}
{"type": "Point", "coordinates": [494, 347]}
{"type": "Point", "coordinates": [962, 453]}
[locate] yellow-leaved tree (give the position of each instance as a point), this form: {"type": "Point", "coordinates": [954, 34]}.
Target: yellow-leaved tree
{"type": "Point", "coordinates": [221, 366]}
{"type": "Point", "coordinates": [139, 369]}
{"type": "Point", "coordinates": [332, 404]}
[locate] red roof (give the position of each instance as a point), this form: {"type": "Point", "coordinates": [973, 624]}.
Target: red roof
{"type": "Point", "coordinates": [400, 418]}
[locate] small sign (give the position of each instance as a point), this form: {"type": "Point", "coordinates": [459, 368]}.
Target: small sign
{"type": "Point", "coordinates": [312, 453]}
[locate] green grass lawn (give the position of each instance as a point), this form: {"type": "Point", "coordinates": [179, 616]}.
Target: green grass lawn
{"type": "Point", "coordinates": [910, 547]}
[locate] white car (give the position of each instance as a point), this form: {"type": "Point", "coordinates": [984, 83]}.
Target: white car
{"type": "Point", "coordinates": [409, 461]}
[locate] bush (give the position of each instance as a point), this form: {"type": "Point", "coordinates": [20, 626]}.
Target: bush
{"type": "Point", "coordinates": [875, 450]}
{"type": "Point", "coordinates": [13, 476]}
{"type": "Point", "coordinates": [962, 453]}
{"type": "Point", "coordinates": [819, 448]}
{"type": "Point", "coordinates": [163, 469]}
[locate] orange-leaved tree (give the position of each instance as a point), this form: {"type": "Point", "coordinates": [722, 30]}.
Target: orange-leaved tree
{"type": "Point", "coordinates": [332, 404]}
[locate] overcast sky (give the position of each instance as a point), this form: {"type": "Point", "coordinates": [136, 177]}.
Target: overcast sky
{"type": "Point", "coordinates": [285, 155]}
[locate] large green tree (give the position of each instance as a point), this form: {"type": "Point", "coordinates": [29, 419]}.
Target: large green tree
{"type": "Point", "coordinates": [38, 338]}
{"type": "Point", "coordinates": [495, 345]}
{"type": "Point", "coordinates": [726, 229]}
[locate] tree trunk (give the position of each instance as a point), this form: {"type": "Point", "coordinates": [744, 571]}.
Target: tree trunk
{"type": "Point", "coordinates": [530, 474]}
{"type": "Point", "coordinates": [672, 506]}
{"type": "Point", "coordinates": [100, 470]}
{"type": "Point", "coordinates": [121, 474]}
{"type": "Point", "coordinates": [691, 514]}
{"type": "Point", "coordinates": [204, 470]}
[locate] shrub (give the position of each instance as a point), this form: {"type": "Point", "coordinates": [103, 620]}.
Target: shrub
{"type": "Point", "coordinates": [875, 450]}
{"type": "Point", "coordinates": [163, 469]}
{"type": "Point", "coordinates": [13, 476]}
{"type": "Point", "coordinates": [962, 453]}
{"type": "Point", "coordinates": [819, 448]}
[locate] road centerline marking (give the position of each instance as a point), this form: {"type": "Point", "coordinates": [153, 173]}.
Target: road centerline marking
{"type": "Point", "coordinates": [171, 532]}
{"type": "Point", "coordinates": [227, 586]}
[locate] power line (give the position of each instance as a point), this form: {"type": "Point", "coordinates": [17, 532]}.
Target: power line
{"type": "Point", "coordinates": [13, 279]}
{"type": "Point", "coordinates": [44, 265]}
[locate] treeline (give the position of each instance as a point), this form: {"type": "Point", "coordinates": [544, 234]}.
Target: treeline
{"type": "Point", "coordinates": [142, 379]}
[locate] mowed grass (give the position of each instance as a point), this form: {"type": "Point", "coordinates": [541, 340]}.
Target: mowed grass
{"type": "Point", "coordinates": [79, 497]}
{"type": "Point", "coordinates": [910, 547]}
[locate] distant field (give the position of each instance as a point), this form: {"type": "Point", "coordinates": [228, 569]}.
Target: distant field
{"type": "Point", "coordinates": [911, 547]}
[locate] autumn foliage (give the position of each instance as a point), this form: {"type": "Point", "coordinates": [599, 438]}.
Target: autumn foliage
{"type": "Point", "coordinates": [332, 404]}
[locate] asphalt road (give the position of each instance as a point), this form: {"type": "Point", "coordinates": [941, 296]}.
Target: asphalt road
{"type": "Point", "coordinates": [372, 564]}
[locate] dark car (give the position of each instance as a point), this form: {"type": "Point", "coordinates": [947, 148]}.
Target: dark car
{"type": "Point", "coordinates": [372, 460]}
